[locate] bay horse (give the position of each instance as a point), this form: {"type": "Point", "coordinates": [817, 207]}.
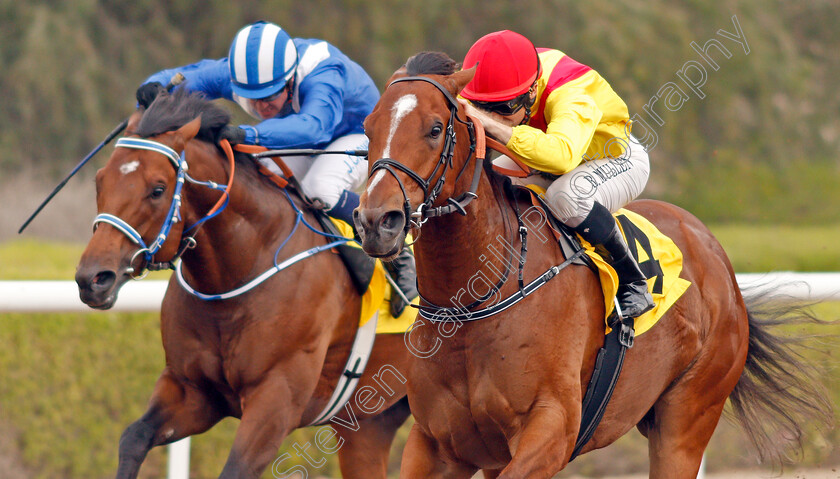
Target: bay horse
{"type": "Point", "coordinates": [270, 357]}
{"type": "Point", "coordinates": [504, 393]}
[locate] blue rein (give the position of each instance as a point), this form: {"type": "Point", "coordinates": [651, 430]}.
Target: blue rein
{"type": "Point", "coordinates": [276, 268]}
{"type": "Point", "coordinates": [174, 215]}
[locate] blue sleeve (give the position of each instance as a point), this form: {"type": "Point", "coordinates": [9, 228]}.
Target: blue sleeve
{"type": "Point", "coordinates": [321, 111]}
{"type": "Point", "coordinates": [211, 77]}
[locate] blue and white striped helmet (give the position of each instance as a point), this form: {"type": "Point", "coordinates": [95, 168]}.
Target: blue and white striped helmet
{"type": "Point", "coordinates": [262, 59]}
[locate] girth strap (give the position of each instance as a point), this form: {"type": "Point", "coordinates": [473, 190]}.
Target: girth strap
{"type": "Point", "coordinates": [608, 366]}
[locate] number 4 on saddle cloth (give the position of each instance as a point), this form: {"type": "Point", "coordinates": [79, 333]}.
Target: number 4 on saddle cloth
{"type": "Point", "coordinates": [658, 257]}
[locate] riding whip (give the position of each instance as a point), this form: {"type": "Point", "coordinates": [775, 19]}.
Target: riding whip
{"type": "Point", "coordinates": [308, 152]}
{"type": "Point", "coordinates": [173, 82]}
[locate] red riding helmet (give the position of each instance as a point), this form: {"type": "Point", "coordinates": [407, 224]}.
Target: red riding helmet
{"type": "Point", "coordinates": [508, 65]}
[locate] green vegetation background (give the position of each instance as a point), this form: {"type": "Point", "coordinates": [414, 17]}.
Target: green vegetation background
{"type": "Point", "coordinates": [759, 149]}
{"type": "Point", "coordinates": [760, 146]}
{"type": "Point", "coordinates": [72, 382]}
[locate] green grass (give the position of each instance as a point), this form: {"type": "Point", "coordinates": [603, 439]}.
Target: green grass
{"type": "Point", "coordinates": [44, 260]}
{"type": "Point", "coordinates": [781, 248]}
{"type": "Point", "coordinates": [22, 259]}
{"type": "Point", "coordinates": [72, 382]}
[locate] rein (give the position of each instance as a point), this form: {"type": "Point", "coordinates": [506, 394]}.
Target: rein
{"type": "Point", "coordinates": [276, 268]}
{"type": "Point", "coordinates": [417, 218]}
{"type": "Point", "coordinates": [256, 153]}
{"type": "Point", "coordinates": [188, 240]}
{"type": "Point", "coordinates": [425, 210]}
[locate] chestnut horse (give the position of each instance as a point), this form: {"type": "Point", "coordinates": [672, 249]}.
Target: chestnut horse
{"type": "Point", "coordinates": [504, 393]}
{"type": "Point", "coordinates": [271, 356]}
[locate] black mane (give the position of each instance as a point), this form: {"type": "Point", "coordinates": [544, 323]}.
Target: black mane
{"type": "Point", "coordinates": [431, 63]}
{"type": "Point", "coordinates": [170, 112]}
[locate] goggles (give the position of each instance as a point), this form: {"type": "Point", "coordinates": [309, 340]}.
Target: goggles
{"type": "Point", "coordinates": [272, 97]}
{"type": "Point", "coordinates": [504, 108]}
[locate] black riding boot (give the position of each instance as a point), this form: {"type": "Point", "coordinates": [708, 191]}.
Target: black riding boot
{"type": "Point", "coordinates": [404, 272]}
{"type": "Point", "coordinates": [600, 229]}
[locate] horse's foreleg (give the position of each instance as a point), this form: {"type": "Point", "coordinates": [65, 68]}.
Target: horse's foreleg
{"type": "Point", "coordinates": [542, 447]}
{"type": "Point", "coordinates": [421, 460]}
{"type": "Point", "coordinates": [175, 411]}
{"type": "Point", "coordinates": [269, 414]}
{"type": "Point", "coordinates": [365, 450]}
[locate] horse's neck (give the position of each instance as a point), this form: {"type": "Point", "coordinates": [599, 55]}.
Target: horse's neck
{"type": "Point", "coordinates": [454, 251]}
{"type": "Point", "coordinates": [240, 242]}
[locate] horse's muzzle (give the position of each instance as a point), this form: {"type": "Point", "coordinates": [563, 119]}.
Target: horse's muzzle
{"type": "Point", "coordinates": [98, 288]}
{"type": "Point", "coordinates": [382, 231]}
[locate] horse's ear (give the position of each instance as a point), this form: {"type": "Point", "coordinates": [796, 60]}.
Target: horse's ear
{"type": "Point", "coordinates": [402, 72]}
{"type": "Point", "coordinates": [133, 120]}
{"type": "Point", "coordinates": [458, 80]}
{"type": "Point", "coordinates": [188, 131]}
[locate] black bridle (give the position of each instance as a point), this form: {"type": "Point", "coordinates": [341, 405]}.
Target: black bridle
{"type": "Point", "coordinates": [425, 210]}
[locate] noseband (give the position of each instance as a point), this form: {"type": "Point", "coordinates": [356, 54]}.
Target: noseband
{"type": "Point", "coordinates": [425, 211]}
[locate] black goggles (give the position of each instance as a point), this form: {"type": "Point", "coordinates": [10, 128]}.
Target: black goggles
{"type": "Point", "coordinates": [271, 98]}
{"type": "Point", "coordinates": [504, 108]}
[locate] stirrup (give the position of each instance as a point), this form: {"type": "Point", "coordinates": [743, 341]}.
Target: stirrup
{"type": "Point", "coordinates": [402, 275]}
{"type": "Point", "coordinates": [636, 299]}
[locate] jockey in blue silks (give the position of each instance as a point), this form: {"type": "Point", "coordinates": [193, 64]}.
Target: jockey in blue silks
{"type": "Point", "coordinates": [306, 94]}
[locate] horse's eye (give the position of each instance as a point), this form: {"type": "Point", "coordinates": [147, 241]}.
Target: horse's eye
{"type": "Point", "coordinates": [157, 192]}
{"type": "Point", "coordinates": [436, 130]}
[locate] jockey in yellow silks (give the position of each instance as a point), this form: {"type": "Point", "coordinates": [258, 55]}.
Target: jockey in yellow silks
{"type": "Point", "coordinates": [562, 118]}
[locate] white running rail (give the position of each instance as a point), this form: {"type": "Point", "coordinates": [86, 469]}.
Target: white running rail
{"type": "Point", "coordinates": [63, 296]}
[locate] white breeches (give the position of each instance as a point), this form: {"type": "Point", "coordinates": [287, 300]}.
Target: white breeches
{"type": "Point", "coordinates": [613, 182]}
{"type": "Point", "coordinates": [325, 177]}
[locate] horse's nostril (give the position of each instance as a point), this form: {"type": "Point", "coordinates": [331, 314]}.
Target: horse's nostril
{"type": "Point", "coordinates": [393, 221]}
{"type": "Point", "coordinates": [103, 280]}
{"type": "Point", "coordinates": [359, 223]}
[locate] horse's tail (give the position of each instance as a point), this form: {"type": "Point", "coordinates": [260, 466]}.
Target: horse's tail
{"type": "Point", "coordinates": [779, 391]}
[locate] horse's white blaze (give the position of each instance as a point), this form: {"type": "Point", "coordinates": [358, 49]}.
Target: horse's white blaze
{"type": "Point", "coordinates": [129, 167]}
{"type": "Point", "coordinates": [401, 108]}
{"type": "Point", "coordinates": [376, 179]}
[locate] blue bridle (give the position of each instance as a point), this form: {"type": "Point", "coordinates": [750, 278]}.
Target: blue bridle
{"type": "Point", "coordinates": [172, 217]}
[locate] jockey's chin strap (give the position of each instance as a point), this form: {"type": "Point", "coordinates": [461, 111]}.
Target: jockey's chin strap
{"type": "Point", "coordinates": [425, 211]}
{"type": "Point", "coordinates": [173, 215]}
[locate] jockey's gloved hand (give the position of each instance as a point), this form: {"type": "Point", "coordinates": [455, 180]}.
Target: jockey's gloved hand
{"type": "Point", "coordinates": [233, 134]}
{"type": "Point", "coordinates": [147, 93]}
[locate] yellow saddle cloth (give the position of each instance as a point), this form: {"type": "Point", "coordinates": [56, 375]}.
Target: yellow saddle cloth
{"type": "Point", "coordinates": [658, 257]}
{"type": "Point", "coordinates": [378, 296]}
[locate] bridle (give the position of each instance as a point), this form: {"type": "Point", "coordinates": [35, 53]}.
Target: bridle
{"type": "Point", "coordinates": [460, 313]}
{"type": "Point", "coordinates": [173, 215]}
{"type": "Point", "coordinates": [424, 211]}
